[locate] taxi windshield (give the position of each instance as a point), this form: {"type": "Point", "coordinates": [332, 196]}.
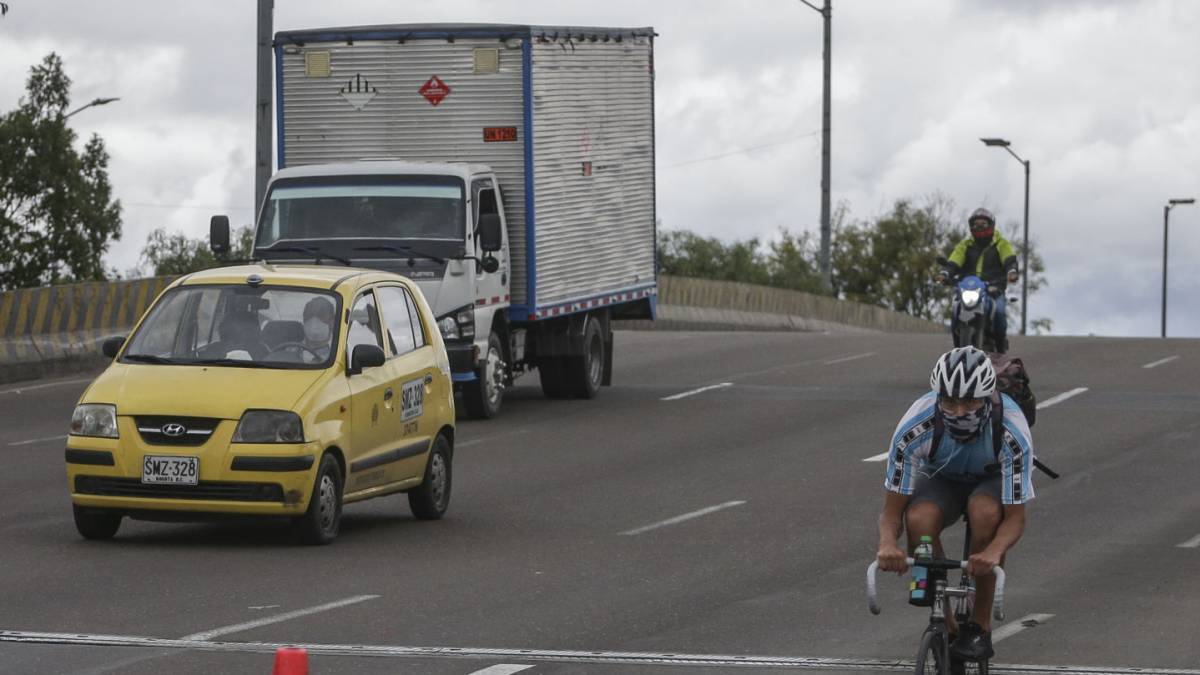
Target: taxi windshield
{"type": "Point", "coordinates": [238, 326]}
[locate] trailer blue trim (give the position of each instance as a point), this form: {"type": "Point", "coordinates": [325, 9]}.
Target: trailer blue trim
{"type": "Point", "coordinates": [530, 216]}
{"type": "Point", "coordinates": [462, 377]}
{"type": "Point", "coordinates": [596, 296]}
{"type": "Point", "coordinates": [455, 31]}
{"type": "Point", "coordinates": [278, 108]}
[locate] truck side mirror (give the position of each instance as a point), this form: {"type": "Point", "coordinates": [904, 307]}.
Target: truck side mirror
{"type": "Point", "coordinates": [490, 236]}
{"type": "Point", "coordinates": [218, 235]}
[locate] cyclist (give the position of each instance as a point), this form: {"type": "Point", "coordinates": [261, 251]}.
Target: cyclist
{"type": "Point", "coordinates": [928, 490]}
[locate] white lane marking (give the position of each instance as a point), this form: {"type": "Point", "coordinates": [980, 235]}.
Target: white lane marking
{"type": "Point", "coordinates": [690, 661]}
{"type": "Point", "coordinates": [1154, 364]}
{"type": "Point", "coordinates": [266, 621]}
{"type": "Point", "coordinates": [848, 358]}
{"type": "Point", "coordinates": [38, 440]}
{"type": "Point", "coordinates": [501, 669]}
{"type": "Point", "coordinates": [1194, 542]}
{"type": "Point", "coordinates": [21, 390]}
{"type": "Point", "coordinates": [1061, 397]}
{"type": "Point", "coordinates": [1013, 627]}
{"type": "Point", "coordinates": [693, 392]}
{"type": "Point", "coordinates": [877, 458]}
{"type": "Point", "coordinates": [680, 519]}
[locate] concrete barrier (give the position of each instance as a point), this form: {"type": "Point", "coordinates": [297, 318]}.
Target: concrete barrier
{"type": "Point", "coordinates": [57, 329]}
{"type": "Point", "coordinates": [703, 304]}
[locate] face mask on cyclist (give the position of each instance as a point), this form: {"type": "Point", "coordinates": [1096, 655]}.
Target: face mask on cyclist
{"type": "Point", "coordinates": [963, 428]}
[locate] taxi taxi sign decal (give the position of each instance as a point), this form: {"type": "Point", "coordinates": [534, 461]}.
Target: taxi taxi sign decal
{"type": "Point", "coordinates": [434, 90]}
{"type": "Point", "coordinates": [499, 134]}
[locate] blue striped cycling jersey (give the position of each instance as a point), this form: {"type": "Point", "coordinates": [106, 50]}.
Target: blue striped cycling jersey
{"type": "Point", "coordinates": [909, 454]}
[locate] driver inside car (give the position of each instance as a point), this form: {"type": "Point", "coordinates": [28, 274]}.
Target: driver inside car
{"type": "Point", "coordinates": [319, 318]}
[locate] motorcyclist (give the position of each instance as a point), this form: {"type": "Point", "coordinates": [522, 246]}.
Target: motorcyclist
{"type": "Point", "coordinates": [991, 257]}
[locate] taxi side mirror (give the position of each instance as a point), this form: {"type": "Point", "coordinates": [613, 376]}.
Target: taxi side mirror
{"type": "Point", "coordinates": [112, 346]}
{"type": "Point", "coordinates": [218, 235]}
{"type": "Point", "coordinates": [366, 356]}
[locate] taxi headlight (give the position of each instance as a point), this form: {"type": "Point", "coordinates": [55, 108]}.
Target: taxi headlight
{"type": "Point", "coordinates": [269, 426]}
{"type": "Point", "coordinates": [94, 419]}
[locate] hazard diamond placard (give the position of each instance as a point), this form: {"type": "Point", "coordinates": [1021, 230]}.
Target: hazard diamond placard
{"type": "Point", "coordinates": [434, 90]}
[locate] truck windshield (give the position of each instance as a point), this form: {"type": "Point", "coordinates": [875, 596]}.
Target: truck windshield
{"type": "Point", "coordinates": [364, 207]}
{"type": "Point", "coordinates": [239, 326]}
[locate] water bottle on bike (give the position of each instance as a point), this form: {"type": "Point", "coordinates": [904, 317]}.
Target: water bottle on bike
{"type": "Point", "coordinates": [920, 588]}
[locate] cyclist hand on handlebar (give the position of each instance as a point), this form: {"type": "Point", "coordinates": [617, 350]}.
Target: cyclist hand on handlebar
{"type": "Point", "coordinates": [981, 564]}
{"type": "Point", "coordinates": [891, 558]}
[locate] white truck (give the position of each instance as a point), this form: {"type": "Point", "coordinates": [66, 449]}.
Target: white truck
{"type": "Point", "coordinates": [507, 169]}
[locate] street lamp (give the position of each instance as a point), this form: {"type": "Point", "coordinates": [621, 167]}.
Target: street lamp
{"type": "Point", "coordinates": [98, 101]}
{"type": "Point", "coordinates": [826, 231]}
{"type": "Point", "coordinates": [1171, 203]}
{"type": "Point", "coordinates": [1001, 143]}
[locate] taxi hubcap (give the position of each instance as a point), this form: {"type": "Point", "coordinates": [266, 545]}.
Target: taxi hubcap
{"type": "Point", "coordinates": [437, 479]}
{"type": "Point", "coordinates": [327, 502]}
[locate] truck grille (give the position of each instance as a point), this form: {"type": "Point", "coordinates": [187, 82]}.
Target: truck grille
{"type": "Point", "coordinates": [205, 490]}
{"type": "Point", "coordinates": [174, 430]}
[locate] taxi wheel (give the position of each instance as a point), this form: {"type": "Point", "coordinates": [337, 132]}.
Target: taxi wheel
{"type": "Point", "coordinates": [430, 499]}
{"type": "Point", "coordinates": [319, 525]}
{"type": "Point", "coordinates": [484, 395]}
{"type": "Point", "coordinates": [96, 524]}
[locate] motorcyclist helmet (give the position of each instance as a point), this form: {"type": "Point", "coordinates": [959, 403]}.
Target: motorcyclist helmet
{"type": "Point", "coordinates": [982, 223]}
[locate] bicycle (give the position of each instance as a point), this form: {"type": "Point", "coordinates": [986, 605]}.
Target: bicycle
{"type": "Point", "coordinates": [934, 656]}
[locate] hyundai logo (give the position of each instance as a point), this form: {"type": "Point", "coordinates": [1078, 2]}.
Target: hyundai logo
{"type": "Point", "coordinates": [174, 429]}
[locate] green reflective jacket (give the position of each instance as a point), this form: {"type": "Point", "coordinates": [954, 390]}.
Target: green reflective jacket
{"type": "Point", "coordinates": [991, 262]}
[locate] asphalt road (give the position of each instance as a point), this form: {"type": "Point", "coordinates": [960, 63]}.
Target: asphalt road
{"type": "Point", "coordinates": [565, 536]}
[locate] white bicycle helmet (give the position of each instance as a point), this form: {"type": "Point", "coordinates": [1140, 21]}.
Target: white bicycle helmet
{"type": "Point", "coordinates": [965, 372]}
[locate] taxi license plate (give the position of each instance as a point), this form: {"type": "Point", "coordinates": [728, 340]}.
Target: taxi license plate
{"type": "Point", "coordinates": [170, 470]}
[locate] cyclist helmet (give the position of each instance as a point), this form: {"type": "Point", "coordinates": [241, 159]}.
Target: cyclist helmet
{"type": "Point", "coordinates": [964, 372]}
{"type": "Point", "coordinates": [982, 230]}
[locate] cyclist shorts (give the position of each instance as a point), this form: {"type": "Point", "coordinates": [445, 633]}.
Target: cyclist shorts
{"type": "Point", "coordinates": [951, 495]}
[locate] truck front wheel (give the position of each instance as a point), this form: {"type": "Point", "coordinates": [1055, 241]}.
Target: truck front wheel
{"type": "Point", "coordinates": [484, 395]}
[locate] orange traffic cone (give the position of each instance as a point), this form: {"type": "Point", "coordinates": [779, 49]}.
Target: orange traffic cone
{"type": "Point", "coordinates": [291, 661]}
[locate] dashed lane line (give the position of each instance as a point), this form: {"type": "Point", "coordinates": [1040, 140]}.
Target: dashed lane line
{"type": "Point", "coordinates": [560, 656]}
{"type": "Point", "coordinates": [268, 620]}
{"type": "Point", "coordinates": [1013, 627]}
{"type": "Point", "coordinates": [693, 392]}
{"type": "Point", "coordinates": [32, 387]}
{"type": "Point", "coordinates": [848, 358]}
{"type": "Point", "coordinates": [684, 517]}
{"type": "Point", "coordinates": [1194, 542]}
{"type": "Point", "coordinates": [877, 458]}
{"type": "Point", "coordinates": [1155, 364]}
{"type": "Point", "coordinates": [38, 440]}
{"type": "Point", "coordinates": [1055, 400]}
{"type": "Point", "coordinates": [501, 669]}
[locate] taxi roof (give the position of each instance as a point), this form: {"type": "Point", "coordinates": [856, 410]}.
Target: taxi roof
{"type": "Point", "coordinates": [309, 276]}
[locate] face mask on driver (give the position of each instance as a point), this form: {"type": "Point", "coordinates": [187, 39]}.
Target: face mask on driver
{"type": "Point", "coordinates": [316, 330]}
{"type": "Point", "coordinates": [963, 428]}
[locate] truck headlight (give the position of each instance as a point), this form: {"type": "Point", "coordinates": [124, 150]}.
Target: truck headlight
{"type": "Point", "coordinates": [458, 324]}
{"type": "Point", "coordinates": [94, 419]}
{"type": "Point", "coordinates": [269, 426]}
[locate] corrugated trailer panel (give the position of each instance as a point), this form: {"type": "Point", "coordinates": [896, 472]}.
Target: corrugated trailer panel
{"type": "Point", "coordinates": [370, 105]}
{"type": "Point", "coordinates": [593, 136]}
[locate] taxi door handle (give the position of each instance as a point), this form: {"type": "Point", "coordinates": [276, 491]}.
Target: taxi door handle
{"type": "Point", "coordinates": [428, 379]}
{"type": "Point", "coordinates": [388, 394]}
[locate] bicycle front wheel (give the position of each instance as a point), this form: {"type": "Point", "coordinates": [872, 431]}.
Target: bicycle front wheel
{"type": "Point", "coordinates": [934, 657]}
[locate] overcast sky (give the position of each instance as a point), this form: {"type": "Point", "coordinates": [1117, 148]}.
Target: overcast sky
{"type": "Point", "coordinates": [1102, 96]}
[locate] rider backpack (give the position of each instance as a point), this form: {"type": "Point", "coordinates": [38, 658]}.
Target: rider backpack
{"type": "Point", "coordinates": [1011, 379]}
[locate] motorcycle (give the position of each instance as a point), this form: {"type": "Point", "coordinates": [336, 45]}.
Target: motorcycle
{"type": "Point", "coordinates": [973, 310]}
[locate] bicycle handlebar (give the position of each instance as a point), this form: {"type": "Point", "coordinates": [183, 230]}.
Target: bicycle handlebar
{"type": "Point", "coordinates": [997, 603]}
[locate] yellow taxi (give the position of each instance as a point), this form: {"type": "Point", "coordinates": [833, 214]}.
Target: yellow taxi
{"type": "Point", "coordinates": [267, 391]}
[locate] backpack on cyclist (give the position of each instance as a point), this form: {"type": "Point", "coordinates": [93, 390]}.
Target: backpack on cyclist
{"type": "Point", "coordinates": [1011, 379]}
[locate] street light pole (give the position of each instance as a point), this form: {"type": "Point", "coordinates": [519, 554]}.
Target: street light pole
{"type": "Point", "coordinates": [826, 229]}
{"type": "Point", "coordinates": [1001, 143]}
{"type": "Point", "coordinates": [97, 101]}
{"type": "Point", "coordinates": [1171, 203]}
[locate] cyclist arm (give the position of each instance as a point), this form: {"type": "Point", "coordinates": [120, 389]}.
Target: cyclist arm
{"type": "Point", "coordinates": [958, 257]}
{"type": "Point", "coordinates": [1010, 531]}
{"type": "Point", "coordinates": [891, 525]}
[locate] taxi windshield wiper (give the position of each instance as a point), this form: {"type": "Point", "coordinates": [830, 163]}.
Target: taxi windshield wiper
{"type": "Point", "coordinates": [315, 252]}
{"type": "Point", "coordinates": [403, 250]}
{"type": "Point", "coordinates": [236, 363]}
{"type": "Point", "coordinates": [147, 358]}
